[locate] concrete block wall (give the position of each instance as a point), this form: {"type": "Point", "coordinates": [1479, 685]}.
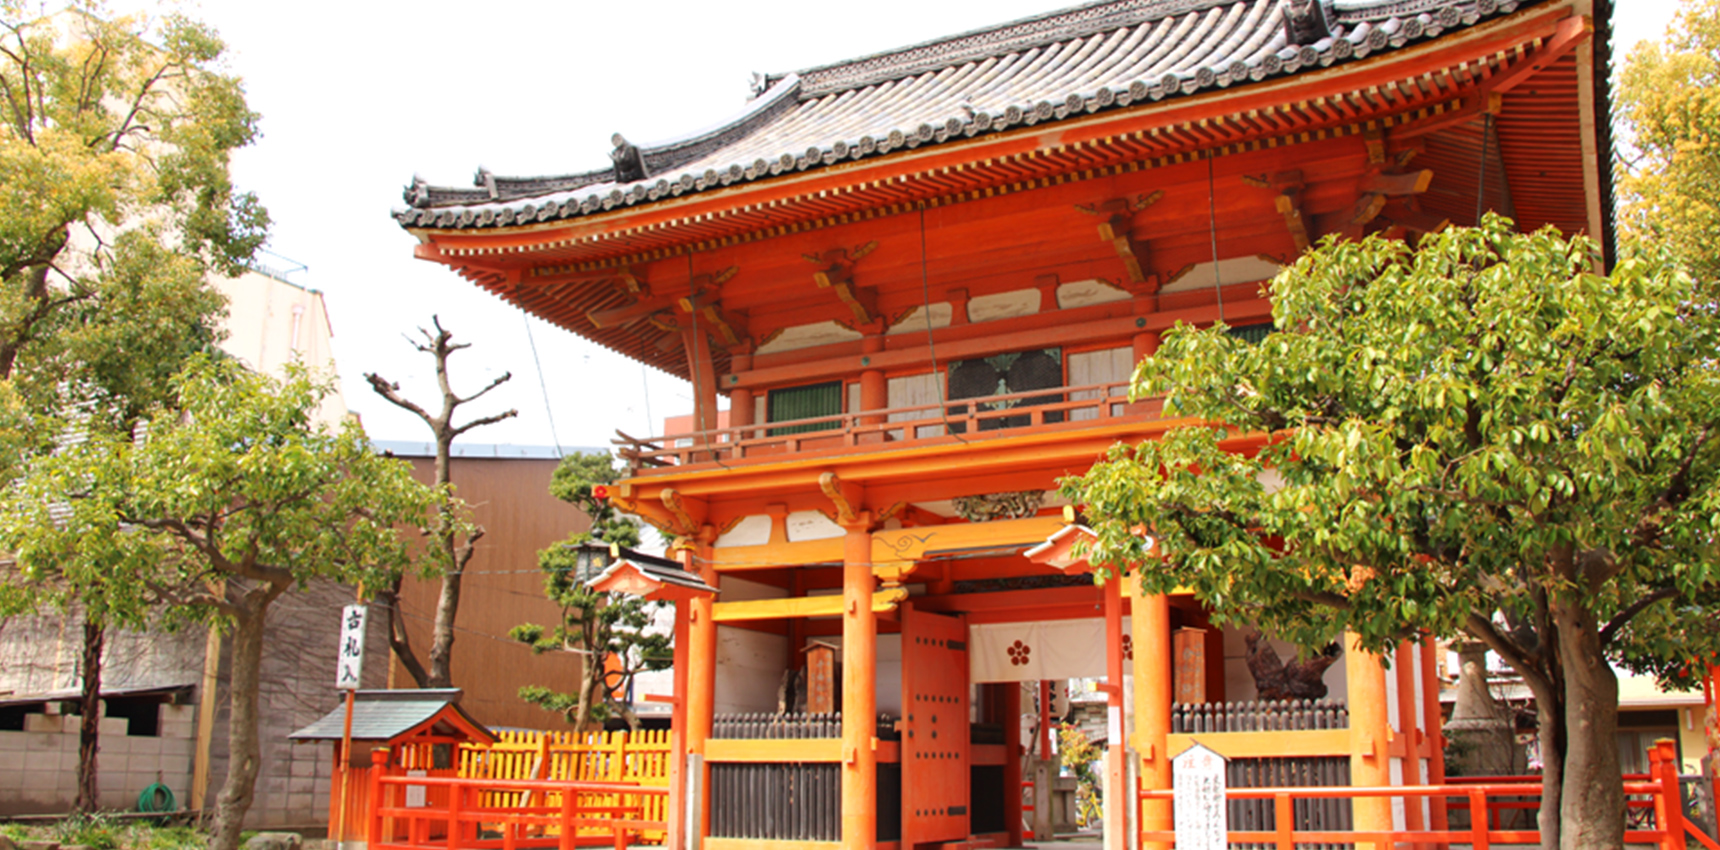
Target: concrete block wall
{"type": "Point", "coordinates": [39, 766]}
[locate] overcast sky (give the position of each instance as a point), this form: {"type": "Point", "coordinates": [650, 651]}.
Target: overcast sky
{"type": "Point", "coordinates": [359, 96]}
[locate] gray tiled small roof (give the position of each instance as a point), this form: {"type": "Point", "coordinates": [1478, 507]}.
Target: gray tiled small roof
{"type": "Point", "coordinates": [381, 715]}
{"type": "Point", "coordinates": [661, 569]}
{"type": "Point", "coordinates": [1098, 56]}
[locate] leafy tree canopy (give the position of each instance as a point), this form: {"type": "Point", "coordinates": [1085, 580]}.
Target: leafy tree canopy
{"type": "Point", "coordinates": [115, 198]}
{"type": "Point", "coordinates": [1669, 97]}
{"type": "Point", "coordinates": [1481, 436]}
{"type": "Point", "coordinates": [611, 632]}
{"type": "Point", "coordinates": [218, 504]}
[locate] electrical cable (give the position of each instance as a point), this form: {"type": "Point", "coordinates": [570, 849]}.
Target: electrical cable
{"type": "Point", "coordinates": [1481, 185]}
{"type": "Point", "coordinates": [1212, 229]}
{"type": "Point", "coordinates": [542, 387]}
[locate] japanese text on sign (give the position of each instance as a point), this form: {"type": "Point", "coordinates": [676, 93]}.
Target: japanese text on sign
{"type": "Point", "coordinates": [1200, 812]}
{"type": "Point", "coordinates": [349, 662]}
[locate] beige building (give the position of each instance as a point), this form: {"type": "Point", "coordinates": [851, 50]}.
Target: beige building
{"type": "Point", "coordinates": [272, 321]}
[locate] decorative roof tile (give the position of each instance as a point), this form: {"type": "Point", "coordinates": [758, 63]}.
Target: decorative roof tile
{"type": "Point", "coordinates": [1104, 55]}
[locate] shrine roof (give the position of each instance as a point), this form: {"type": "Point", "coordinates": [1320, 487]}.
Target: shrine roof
{"type": "Point", "coordinates": [1087, 59]}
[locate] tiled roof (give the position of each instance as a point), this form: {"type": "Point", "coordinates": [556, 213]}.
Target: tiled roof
{"type": "Point", "coordinates": [1104, 55]}
{"type": "Point", "coordinates": [660, 569]}
{"type": "Point", "coordinates": [381, 715]}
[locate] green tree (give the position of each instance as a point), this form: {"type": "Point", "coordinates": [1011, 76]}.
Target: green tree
{"type": "Point", "coordinates": [115, 205]}
{"type": "Point", "coordinates": [115, 138]}
{"type": "Point", "coordinates": [217, 507]}
{"type": "Point", "coordinates": [1479, 437]}
{"type": "Point", "coordinates": [1669, 98]}
{"type": "Point", "coordinates": [599, 627]}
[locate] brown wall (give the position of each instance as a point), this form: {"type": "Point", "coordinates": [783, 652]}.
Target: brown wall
{"type": "Point", "coordinates": [502, 589]}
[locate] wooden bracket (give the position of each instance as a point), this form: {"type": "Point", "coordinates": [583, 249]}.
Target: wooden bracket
{"type": "Point", "coordinates": [837, 275]}
{"type": "Point", "coordinates": [845, 496]}
{"type": "Point", "coordinates": [677, 506]}
{"type": "Point", "coordinates": [1117, 229]}
{"type": "Point", "coordinates": [730, 327]}
{"type": "Point", "coordinates": [1289, 186]}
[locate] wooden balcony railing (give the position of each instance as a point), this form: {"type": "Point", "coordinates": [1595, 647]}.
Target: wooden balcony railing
{"type": "Point", "coordinates": [1055, 408]}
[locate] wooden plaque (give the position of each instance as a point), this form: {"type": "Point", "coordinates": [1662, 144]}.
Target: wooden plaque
{"type": "Point", "coordinates": [1189, 673]}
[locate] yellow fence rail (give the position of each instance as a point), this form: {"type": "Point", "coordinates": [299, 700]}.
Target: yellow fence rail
{"type": "Point", "coordinates": [638, 758]}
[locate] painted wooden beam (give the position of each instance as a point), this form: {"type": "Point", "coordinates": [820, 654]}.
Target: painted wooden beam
{"type": "Point", "coordinates": [801, 606]}
{"type": "Point", "coordinates": [1313, 742]}
{"type": "Point", "coordinates": [765, 751]}
{"type": "Point", "coordinates": [901, 544]}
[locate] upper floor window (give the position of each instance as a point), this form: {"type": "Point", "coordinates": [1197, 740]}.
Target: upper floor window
{"type": "Point", "coordinates": [1005, 374]}
{"type": "Point", "coordinates": [792, 403]}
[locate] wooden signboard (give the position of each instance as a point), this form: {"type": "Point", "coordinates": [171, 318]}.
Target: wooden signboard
{"type": "Point", "coordinates": [1189, 648]}
{"type": "Point", "coordinates": [1198, 783]}
{"type": "Point", "coordinates": [821, 678]}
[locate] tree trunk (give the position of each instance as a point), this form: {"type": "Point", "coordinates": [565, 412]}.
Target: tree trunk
{"type": "Point", "coordinates": [245, 753]}
{"type": "Point", "coordinates": [1550, 723]}
{"type": "Point", "coordinates": [89, 726]}
{"type": "Point", "coordinates": [1591, 805]}
{"type": "Point", "coordinates": [398, 639]}
{"type": "Point", "coordinates": [441, 674]}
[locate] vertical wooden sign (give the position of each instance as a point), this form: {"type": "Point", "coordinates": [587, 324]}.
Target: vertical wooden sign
{"type": "Point", "coordinates": [1189, 648]}
{"type": "Point", "coordinates": [821, 679]}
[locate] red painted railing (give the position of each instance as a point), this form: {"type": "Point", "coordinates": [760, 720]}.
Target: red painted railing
{"type": "Point", "coordinates": [1071, 407]}
{"type": "Point", "coordinates": [1656, 791]}
{"type": "Point", "coordinates": [469, 813]}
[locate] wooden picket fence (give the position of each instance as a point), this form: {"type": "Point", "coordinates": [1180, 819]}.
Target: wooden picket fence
{"type": "Point", "coordinates": [523, 755]}
{"type": "Point", "coordinates": [636, 758]}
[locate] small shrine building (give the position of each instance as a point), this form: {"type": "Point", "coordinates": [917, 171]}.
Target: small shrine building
{"type": "Point", "coordinates": [922, 279]}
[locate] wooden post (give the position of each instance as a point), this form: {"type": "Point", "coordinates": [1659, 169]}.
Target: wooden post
{"type": "Point", "coordinates": [859, 698]}
{"type": "Point", "coordinates": [373, 813]}
{"type": "Point", "coordinates": [740, 398]}
{"type": "Point", "coordinates": [701, 693]}
{"type": "Point", "coordinates": [1668, 810]}
{"type": "Point", "coordinates": [345, 770]}
{"type": "Point", "coordinates": [1438, 817]}
{"type": "Point", "coordinates": [1009, 707]}
{"type": "Point", "coordinates": [1117, 795]}
{"type": "Point", "coordinates": [205, 718]}
{"type": "Point", "coordinates": [1151, 618]}
{"type": "Point", "coordinates": [1410, 731]}
{"type": "Point", "coordinates": [1370, 738]}
{"type": "Point", "coordinates": [675, 812]}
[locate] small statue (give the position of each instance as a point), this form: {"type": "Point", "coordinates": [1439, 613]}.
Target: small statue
{"type": "Point", "coordinates": [629, 163]}
{"type": "Point", "coordinates": [1276, 680]}
{"type": "Point", "coordinates": [1305, 21]}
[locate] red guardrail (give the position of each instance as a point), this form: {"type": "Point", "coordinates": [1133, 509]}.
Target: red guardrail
{"type": "Point", "coordinates": [548, 813]}
{"type": "Point", "coordinates": [1659, 787]}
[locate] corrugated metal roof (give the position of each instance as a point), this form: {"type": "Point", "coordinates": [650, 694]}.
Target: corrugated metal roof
{"type": "Point", "coordinates": [1047, 68]}
{"type": "Point", "coordinates": [381, 715]}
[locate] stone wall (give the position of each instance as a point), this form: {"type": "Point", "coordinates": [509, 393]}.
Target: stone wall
{"type": "Point", "coordinates": [41, 654]}
{"type": "Point", "coordinates": [45, 758]}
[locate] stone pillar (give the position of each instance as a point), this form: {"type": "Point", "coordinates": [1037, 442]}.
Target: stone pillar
{"type": "Point", "coordinates": [859, 697]}
{"type": "Point", "coordinates": [1480, 732]}
{"type": "Point", "coordinates": [1370, 739]}
{"type": "Point", "coordinates": [1151, 617]}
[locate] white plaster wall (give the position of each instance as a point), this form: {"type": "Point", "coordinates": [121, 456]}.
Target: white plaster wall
{"type": "Point", "coordinates": [750, 666]}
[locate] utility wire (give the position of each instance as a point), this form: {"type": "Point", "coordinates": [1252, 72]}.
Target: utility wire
{"type": "Point", "coordinates": [542, 387]}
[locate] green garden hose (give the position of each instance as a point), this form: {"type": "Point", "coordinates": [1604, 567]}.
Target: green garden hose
{"type": "Point", "coordinates": [156, 798]}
